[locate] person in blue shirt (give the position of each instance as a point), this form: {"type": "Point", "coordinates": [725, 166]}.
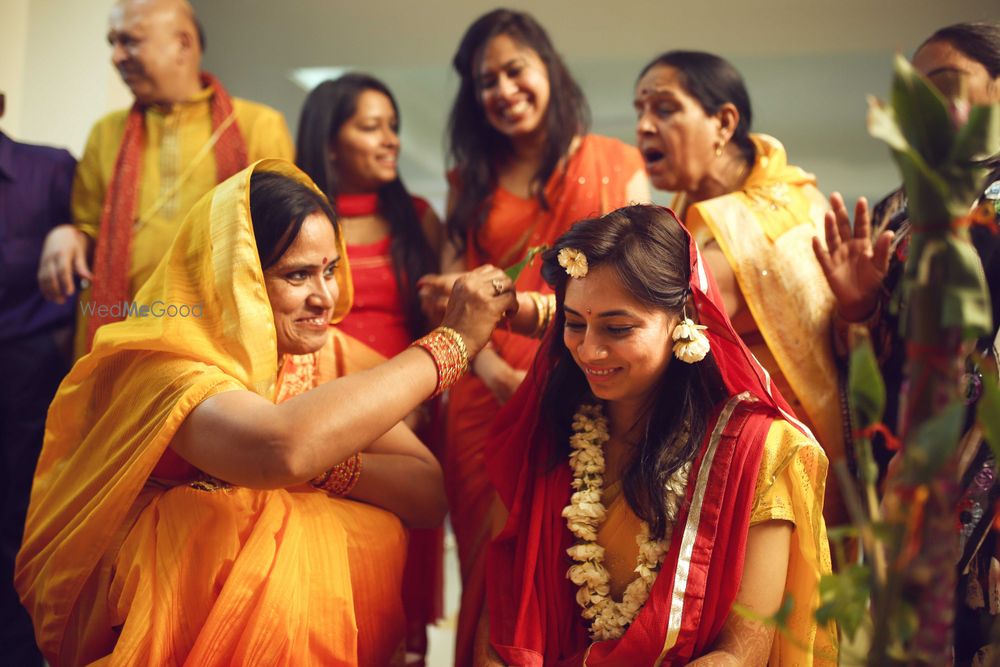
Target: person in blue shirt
{"type": "Point", "coordinates": [35, 340]}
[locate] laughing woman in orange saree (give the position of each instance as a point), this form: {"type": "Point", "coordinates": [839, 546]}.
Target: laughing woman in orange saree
{"type": "Point", "coordinates": [525, 169]}
{"type": "Point", "coordinates": [754, 216]}
{"type": "Point", "coordinates": [652, 477]}
{"type": "Point", "coordinates": [211, 491]}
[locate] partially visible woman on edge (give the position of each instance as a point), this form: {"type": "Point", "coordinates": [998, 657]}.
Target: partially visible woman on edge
{"type": "Point", "coordinates": [864, 265]}
{"type": "Point", "coordinates": [348, 143]}
{"type": "Point", "coordinates": [652, 449]}
{"type": "Point", "coordinates": [525, 169]}
{"type": "Point", "coordinates": [754, 216]}
{"type": "Point", "coordinates": [211, 491]}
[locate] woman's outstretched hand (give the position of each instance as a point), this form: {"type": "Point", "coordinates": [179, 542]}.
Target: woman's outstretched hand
{"type": "Point", "coordinates": [434, 289]}
{"type": "Point", "coordinates": [853, 267]}
{"type": "Point", "coordinates": [479, 300]}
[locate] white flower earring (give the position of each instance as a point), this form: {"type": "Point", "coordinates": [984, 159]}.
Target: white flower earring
{"type": "Point", "coordinates": [690, 344]}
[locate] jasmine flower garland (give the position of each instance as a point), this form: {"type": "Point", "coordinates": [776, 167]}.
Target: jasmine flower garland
{"type": "Point", "coordinates": [609, 619]}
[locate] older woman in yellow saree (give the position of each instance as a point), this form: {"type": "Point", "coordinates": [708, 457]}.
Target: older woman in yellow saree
{"type": "Point", "coordinates": [211, 490]}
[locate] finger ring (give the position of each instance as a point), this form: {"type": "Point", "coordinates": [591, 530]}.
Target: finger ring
{"type": "Point", "coordinates": [497, 286]}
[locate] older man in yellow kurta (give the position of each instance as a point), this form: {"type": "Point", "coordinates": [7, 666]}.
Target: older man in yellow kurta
{"type": "Point", "coordinates": [145, 167]}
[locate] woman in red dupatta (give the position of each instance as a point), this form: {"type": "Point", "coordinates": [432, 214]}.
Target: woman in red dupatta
{"type": "Point", "coordinates": [525, 170]}
{"type": "Point", "coordinates": [748, 497]}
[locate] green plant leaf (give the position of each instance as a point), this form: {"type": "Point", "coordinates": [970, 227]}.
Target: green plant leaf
{"type": "Point", "coordinates": [882, 125]}
{"type": "Point", "coordinates": [965, 302]}
{"type": "Point", "coordinates": [905, 621]}
{"type": "Point", "coordinates": [843, 597]}
{"type": "Point", "coordinates": [513, 272]}
{"type": "Point", "coordinates": [839, 533]}
{"type": "Point", "coordinates": [988, 413]}
{"type": "Point", "coordinates": [779, 619]}
{"type": "Point", "coordinates": [932, 444]}
{"type": "Point", "coordinates": [927, 193]}
{"type": "Point", "coordinates": [781, 616]}
{"type": "Point", "coordinates": [922, 113]}
{"type": "Point", "coordinates": [979, 138]}
{"type": "Point", "coordinates": [945, 274]}
{"type": "Point", "coordinates": [865, 387]}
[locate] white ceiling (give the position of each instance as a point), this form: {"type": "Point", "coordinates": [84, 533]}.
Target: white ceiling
{"type": "Point", "coordinates": [808, 64]}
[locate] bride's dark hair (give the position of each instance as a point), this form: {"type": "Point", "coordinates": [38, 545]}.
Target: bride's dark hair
{"type": "Point", "coordinates": [648, 251]}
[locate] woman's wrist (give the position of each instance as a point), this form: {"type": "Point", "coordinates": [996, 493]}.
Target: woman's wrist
{"type": "Point", "coordinates": [483, 362]}
{"type": "Point", "coordinates": [842, 324]}
{"type": "Point", "coordinates": [535, 312]}
{"type": "Point", "coordinates": [861, 313]}
{"type": "Point", "coordinates": [523, 321]}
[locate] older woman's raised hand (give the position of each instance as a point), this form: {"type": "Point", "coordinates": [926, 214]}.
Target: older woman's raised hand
{"type": "Point", "coordinates": [479, 300]}
{"type": "Point", "coordinates": [853, 266]}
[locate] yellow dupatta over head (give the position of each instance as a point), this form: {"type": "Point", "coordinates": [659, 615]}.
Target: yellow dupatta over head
{"type": "Point", "coordinates": [201, 325]}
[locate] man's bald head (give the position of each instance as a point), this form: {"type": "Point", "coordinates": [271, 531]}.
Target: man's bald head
{"type": "Point", "coordinates": [156, 47]}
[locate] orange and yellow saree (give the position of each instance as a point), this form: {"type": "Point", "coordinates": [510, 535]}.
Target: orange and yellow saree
{"type": "Point", "coordinates": [765, 230]}
{"type": "Point", "coordinates": [130, 556]}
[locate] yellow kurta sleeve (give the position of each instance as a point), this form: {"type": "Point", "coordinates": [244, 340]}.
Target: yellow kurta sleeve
{"type": "Point", "coordinates": [790, 487]}
{"type": "Point", "coordinates": [264, 131]}
{"type": "Point", "coordinates": [773, 497]}
{"type": "Point", "coordinates": [93, 172]}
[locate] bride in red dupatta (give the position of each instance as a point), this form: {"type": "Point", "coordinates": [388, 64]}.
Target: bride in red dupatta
{"type": "Point", "coordinates": [703, 454]}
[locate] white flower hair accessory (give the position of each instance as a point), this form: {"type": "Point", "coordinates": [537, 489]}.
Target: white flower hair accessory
{"type": "Point", "coordinates": [690, 344]}
{"type": "Point", "coordinates": [574, 261]}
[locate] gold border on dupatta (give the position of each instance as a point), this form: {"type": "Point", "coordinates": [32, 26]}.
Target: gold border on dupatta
{"type": "Point", "coordinates": [691, 529]}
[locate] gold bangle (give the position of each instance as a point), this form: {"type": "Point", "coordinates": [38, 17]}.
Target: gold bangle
{"type": "Point", "coordinates": [550, 312]}
{"type": "Point", "coordinates": [449, 353]}
{"type": "Point", "coordinates": [545, 306]}
{"type": "Point", "coordinates": [341, 478]}
{"type": "Point", "coordinates": [459, 341]}
{"type": "Point", "coordinates": [536, 299]}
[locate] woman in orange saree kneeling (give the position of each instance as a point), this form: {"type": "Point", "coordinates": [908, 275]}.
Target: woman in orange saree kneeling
{"type": "Point", "coordinates": [212, 489]}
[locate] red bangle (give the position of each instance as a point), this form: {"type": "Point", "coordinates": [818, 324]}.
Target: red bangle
{"type": "Point", "coordinates": [341, 478]}
{"type": "Point", "coordinates": [451, 357]}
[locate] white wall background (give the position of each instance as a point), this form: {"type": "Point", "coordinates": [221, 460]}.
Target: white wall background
{"type": "Point", "coordinates": [808, 64]}
{"type": "Point", "coordinates": [55, 70]}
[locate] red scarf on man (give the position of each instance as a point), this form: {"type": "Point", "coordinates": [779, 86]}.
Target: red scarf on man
{"type": "Point", "coordinates": [112, 256]}
{"type": "Point", "coordinates": [534, 618]}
